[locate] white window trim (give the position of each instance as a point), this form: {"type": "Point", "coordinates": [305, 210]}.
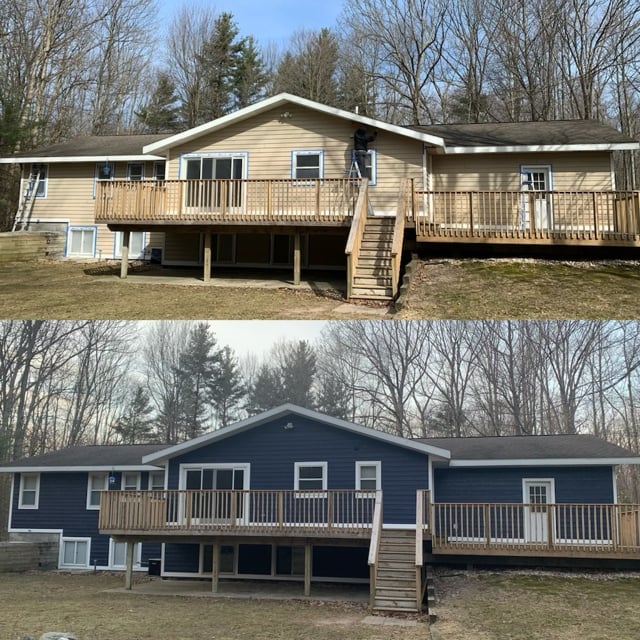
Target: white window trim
{"type": "Point", "coordinates": [532, 168]}
{"type": "Point", "coordinates": [70, 229]}
{"type": "Point", "coordinates": [44, 181]}
{"type": "Point", "coordinates": [95, 174]}
{"type": "Point", "coordinates": [245, 466]}
{"type": "Point", "coordinates": [159, 163]}
{"type": "Point", "coordinates": [243, 155]}
{"type": "Point", "coordinates": [525, 492]}
{"type": "Point", "coordinates": [294, 165]}
{"type": "Point", "coordinates": [61, 563]}
{"type": "Point", "coordinates": [21, 505]}
{"type": "Point", "coordinates": [103, 475]}
{"type": "Point", "coordinates": [150, 484]}
{"type": "Point", "coordinates": [305, 493]}
{"type": "Point", "coordinates": [371, 463]}
{"type": "Point", "coordinates": [137, 555]}
{"type": "Point", "coordinates": [373, 154]}
{"type": "Point", "coordinates": [117, 245]}
{"type": "Point", "coordinates": [124, 473]}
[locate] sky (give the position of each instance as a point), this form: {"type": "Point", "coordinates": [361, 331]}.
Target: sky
{"type": "Point", "coordinates": [270, 20]}
{"type": "Point", "coordinates": [257, 336]}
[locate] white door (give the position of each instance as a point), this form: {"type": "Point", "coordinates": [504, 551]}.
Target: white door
{"type": "Point", "coordinates": [136, 245]}
{"type": "Point", "coordinates": [203, 189]}
{"type": "Point", "coordinates": [536, 207]}
{"type": "Point", "coordinates": [538, 494]}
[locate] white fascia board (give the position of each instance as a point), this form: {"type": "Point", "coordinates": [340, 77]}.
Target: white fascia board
{"type": "Point", "coordinates": [74, 159]}
{"type": "Point", "coordinates": [287, 409]}
{"type": "Point", "coordinates": [281, 100]}
{"type": "Point", "coordinates": [542, 148]}
{"type": "Point", "coordinates": [545, 462]}
{"type": "Point", "coordinates": [105, 467]}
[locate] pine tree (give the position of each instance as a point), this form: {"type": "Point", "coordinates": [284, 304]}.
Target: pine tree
{"type": "Point", "coordinates": [333, 397]}
{"type": "Point", "coordinates": [227, 390]}
{"type": "Point", "coordinates": [298, 371]}
{"type": "Point", "coordinates": [198, 368]}
{"type": "Point", "coordinates": [160, 114]}
{"type": "Point", "coordinates": [135, 425]}
{"type": "Point", "coordinates": [266, 392]}
{"type": "Point", "coordinates": [250, 77]}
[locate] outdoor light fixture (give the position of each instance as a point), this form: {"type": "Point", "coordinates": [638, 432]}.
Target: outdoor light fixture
{"type": "Point", "coordinates": [288, 426]}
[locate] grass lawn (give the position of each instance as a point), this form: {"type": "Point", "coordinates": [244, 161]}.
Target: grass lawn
{"type": "Point", "coordinates": [536, 606]}
{"type": "Point", "coordinates": [490, 288]}
{"type": "Point", "coordinates": [526, 289]}
{"type": "Point", "coordinates": [33, 603]}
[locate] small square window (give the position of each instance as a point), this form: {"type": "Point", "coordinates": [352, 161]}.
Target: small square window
{"type": "Point", "coordinates": [75, 552]}
{"type": "Point", "coordinates": [307, 165]}
{"type": "Point", "coordinates": [159, 170]}
{"type": "Point", "coordinates": [368, 476]}
{"type": "Point", "coordinates": [135, 171]}
{"type": "Point", "coordinates": [156, 480]}
{"type": "Point", "coordinates": [310, 476]}
{"type": "Point", "coordinates": [81, 242]}
{"type": "Point", "coordinates": [130, 481]}
{"type": "Point", "coordinates": [29, 491]}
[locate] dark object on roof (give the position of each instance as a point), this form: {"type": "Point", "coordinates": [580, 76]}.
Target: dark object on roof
{"type": "Point", "coordinates": [122, 455]}
{"type": "Point", "coordinates": [501, 134]}
{"type": "Point", "coordinates": [551, 447]}
{"type": "Point", "coordinates": [91, 146]}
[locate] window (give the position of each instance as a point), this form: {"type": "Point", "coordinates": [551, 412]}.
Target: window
{"type": "Point", "coordinates": [38, 180]}
{"type": "Point", "coordinates": [156, 480]}
{"type": "Point", "coordinates": [368, 476]}
{"type": "Point", "coordinates": [81, 242]}
{"type": "Point", "coordinates": [159, 170]}
{"type": "Point", "coordinates": [118, 555]}
{"type": "Point", "coordinates": [137, 243]}
{"type": "Point", "coordinates": [97, 483]}
{"type": "Point", "coordinates": [310, 476]}
{"type": "Point", "coordinates": [104, 171]}
{"type": "Point", "coordinates": [215, 166]}
{"type": "Point", "coordinates": [307, 165]}
{"type": "Point", "coordinates": [29, 491]}
{"type": "Point", "coordinates": [135, 171]}
{"type": "Point", "coordinates": [371, 167]}
{"type": "Point", "coordinates": [130, 481]}
{"type": "Point", "coordinates": [74, 552]}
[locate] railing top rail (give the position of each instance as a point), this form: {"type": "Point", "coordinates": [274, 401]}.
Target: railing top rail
{"type": "Point", "coordinates": [535, 192]}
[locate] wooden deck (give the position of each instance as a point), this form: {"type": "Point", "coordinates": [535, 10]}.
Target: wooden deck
{"type": "Point", "coordinates": [588, 218]}
{"type": "Point", "coordinates": [175, 514]}
{"type": "Point", "coordinates": [324, 202]}
{"type": "Point", "coordinates": [512, 529]}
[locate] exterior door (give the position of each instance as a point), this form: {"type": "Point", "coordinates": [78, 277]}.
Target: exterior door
{"type": "Point", "coordinates": [212, 499]}
{"type": "Point", "coordinates": [536, 207]}
{"type": "Point", "coordinates": [203, 192]}
{"type": "Point", "coordinates": [538, 495]}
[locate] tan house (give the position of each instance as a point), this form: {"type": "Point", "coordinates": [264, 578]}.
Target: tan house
{"type": "Point", "coordinates": [280, 185]}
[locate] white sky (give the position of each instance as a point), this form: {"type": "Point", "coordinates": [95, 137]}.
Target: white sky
{"type": "Point", "coordinates": [257, 336]}
{"type": "Point", "coordinates": [268, 20]}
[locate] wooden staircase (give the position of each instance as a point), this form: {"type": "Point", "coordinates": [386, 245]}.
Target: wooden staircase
{"type": "Point", "coordinates": [373, 277]}
{"type": "Point", "coordinates": [396, 572]}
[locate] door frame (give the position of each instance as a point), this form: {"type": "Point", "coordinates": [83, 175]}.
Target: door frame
{"type": "Point", "coordinates": [547, 169]}
{"type": "Point", "coordinates": [528, 513]}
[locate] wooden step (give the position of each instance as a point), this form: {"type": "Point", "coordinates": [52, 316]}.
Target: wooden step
{"type": "Point", "coordinates": [398, 604]}
{"type": "Point", "coordinates": [369, 293]}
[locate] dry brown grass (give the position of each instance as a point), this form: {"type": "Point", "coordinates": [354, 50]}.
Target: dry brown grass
{"type": "Point", "coordinates": [33, 603]}
{"type": "Point", "coordinates": [536, 606]}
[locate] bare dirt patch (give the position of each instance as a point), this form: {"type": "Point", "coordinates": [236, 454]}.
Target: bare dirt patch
{"type": "Point", "coordinates": [523, 288]}
{"type": "Point", "coordinates": [34, 603]}
{"type": "Point", "coordinates": [536, 605]}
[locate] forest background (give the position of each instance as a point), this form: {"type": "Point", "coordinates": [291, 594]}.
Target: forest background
{"type": "Point", "coordinates": [91, 67]}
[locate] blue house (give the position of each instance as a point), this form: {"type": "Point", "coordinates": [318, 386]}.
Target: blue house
{"type": "Point", "coordinates": [292, 494]}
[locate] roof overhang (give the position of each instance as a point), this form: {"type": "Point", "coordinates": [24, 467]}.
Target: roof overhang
{"type": "Point", "coordinates": [67, 159]}
{"type": "Point", "coordinates": [288, 410]}
{"type": "Point", "coordinates": [79, 469]}
{"type": "Point", "coordinates": [281, 100]}
{"type": "Point", "coordinates": [541, 148]}
{"type": "Point", "coordinates": [546, 462]}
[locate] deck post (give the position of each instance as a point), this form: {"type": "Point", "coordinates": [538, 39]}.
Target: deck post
{"type": "Point", "coordinates": [124, 265]}
{"type": "Point", "coordinates": [128, 576]}
{"type": "Point", "coordinates": [308, 548]}
{"type": "Point", "coordinates": [296, 258]}
{"type": "Point", "coordinates": [215, 568]}
{"type": "Point", "coordinates": [207, 256]}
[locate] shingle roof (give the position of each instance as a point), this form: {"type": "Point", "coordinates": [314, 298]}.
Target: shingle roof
{"type": "Point", "coordinates": [529, 447]}
{"type": "Point", "coordinates": [124, 455]}
{"type": "Point", "coordinates": [499, 134]}
{"type": "Point", "coordinates": [91, 146]}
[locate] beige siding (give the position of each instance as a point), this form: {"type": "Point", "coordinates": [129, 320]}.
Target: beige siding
{"type": "Point", "coordinates": [501, 171]}
{"type": "Point", "coordinates": [269, 141]}
{"type": "Point", "coordinates": [69, 199]}
{"type": "Point", "coordinates": [181, 248]}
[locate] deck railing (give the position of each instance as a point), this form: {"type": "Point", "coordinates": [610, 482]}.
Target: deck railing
{"type": "Point", "coordinates": [558, 529]}
{"type": "Point", "coordinates": [354, 241]}
{"type": "Point", "coordinates": [597, 216]}
{"type": "Point", "coordinates": [252, 512]}
{"type": "Point", "coordinates": [327, 200]}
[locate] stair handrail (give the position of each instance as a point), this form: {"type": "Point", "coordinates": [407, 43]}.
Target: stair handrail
{"type": "Point", "coordinates": [374, 546]}
{"type": "Point", "coordinates": [398, 234]}
{"type": "Point", "coordinates": [356, 233]}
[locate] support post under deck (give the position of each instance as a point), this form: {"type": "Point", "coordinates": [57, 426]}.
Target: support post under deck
{"type": "Point", "coordinates": [128, 576]}
{"type": "Point", "coordinates": [124, 265]}
{"type": "Point", "coordinates": [297, 261]}
{"type": "Point", "coordinates": [215, 569]}
{"type": "Point", "coordinates": [207, 256]}
{"type": "Point", "coordinates": [308, 555]}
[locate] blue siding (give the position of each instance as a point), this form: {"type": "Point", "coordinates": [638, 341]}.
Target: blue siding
{"type": "Point", "coordinates": [572, 484]}
{"type": "Point", "coordinates": [63, 505]}
{"type": "Point", "coordinates": [272, 451]}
